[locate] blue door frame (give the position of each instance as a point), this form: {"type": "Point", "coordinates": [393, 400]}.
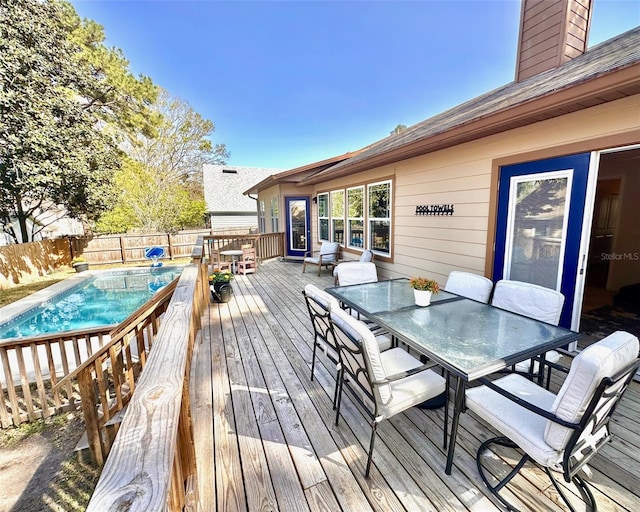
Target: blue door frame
{"type": "Point", "coordinates": [298, 226]}
{"type": "Point", "coordinates": [579, 164]}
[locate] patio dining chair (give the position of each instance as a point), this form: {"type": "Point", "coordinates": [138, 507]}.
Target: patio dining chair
{"type": "Point", "coordinates": [469, 285]}
{"type": "Point", "coordinates": [216, 262]}
{"type": "Point", "coordinates": [366, 257]}
{"type": "Point", "coordinates": [559, 433]}
{"type": "Point", "coordinates": [319, 303]}
{"type": "Point", "coordinates": [328, 256]}
{"type": "Point", "coordinates": [383, 383]}
{"type": "Point", "coordinates": [355, 272]}
{"type": "Point", "coordinates": [533, 301]}
{"type": "Point", "coordinates": [248, 263]}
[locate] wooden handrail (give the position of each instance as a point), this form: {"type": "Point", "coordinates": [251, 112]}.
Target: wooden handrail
{"type": "Point", "coordinates": [151, 462]}
{"type": "Point", "coordinates": [121, 329]}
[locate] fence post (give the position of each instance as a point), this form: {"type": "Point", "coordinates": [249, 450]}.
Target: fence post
{"type": "Point", "coordinates": [123, 251]}
{"type": "Point", "coordinates": [170, 246]}
{"type": "Point", "coordinates": [89, 410]}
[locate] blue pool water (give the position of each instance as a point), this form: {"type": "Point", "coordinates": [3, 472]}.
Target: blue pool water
{"type": "Point", "coordinates": [104, 299]}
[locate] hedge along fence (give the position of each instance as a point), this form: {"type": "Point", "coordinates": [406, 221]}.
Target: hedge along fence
{"type": "Point", "coordinates": [22, 262]}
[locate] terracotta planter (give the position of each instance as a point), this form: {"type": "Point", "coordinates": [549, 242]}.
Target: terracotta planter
{"type": "Point", "coordinates": [422, 297]}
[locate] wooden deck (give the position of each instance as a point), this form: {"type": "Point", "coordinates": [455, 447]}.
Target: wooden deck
{"type": "Point", "coordinates": [265, 438]}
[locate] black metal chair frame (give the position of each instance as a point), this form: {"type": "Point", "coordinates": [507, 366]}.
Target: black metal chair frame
{"type": "Point", "coordinates": [349, 360]}
{"type": "Point", "coordinates": [610, 388]}
{"type": "Point", "coordinates": [323, 336]}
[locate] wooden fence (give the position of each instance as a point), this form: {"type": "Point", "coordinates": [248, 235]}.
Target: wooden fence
{"type": "Point", "coordinates": [129, 248]}
{"type": "Point", "coordinates": [21, 262]}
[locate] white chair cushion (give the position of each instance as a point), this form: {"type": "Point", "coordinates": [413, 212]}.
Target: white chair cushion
{"type": "Point", "coordinates": [354, 272]}
{"type": "Point", "coordinates": [469, 285]}
{"type": "Point", "coordinates": [522, 426]}
{"type": "Point", "coordinates": [604, 358]}
{"type": "Point", "coordinates": [329, 248]}
{"type": "Point", "coordinates": [366, 256]}
{"type": "Point", "coordinates": [412, 391]}
{"type": "Point", "coordinates": [528, 299]}
{"type": "Point", "coordinates": [398, 395]}
{"type": "Point", "coordinates": [320, 296]}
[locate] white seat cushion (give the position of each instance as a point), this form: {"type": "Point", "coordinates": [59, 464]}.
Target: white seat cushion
{"type": "Point", "coordinates": [604, 358]}
{"type": "Point", "coordinates": [469, 285]}
{"type": "Point", "coordinates": [528, 299]}
{"type": "Point", "coordinates": [354, 272]}
{"type": "Point", "coordinates": [320, 296]}
{"type": "Point", "coordinates": [522, 426]}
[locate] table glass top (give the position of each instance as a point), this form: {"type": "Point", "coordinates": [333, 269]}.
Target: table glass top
{"type": "Point", "coordinates": [469, 338]}
{"type": "Point", "coordinates": [383, 295]}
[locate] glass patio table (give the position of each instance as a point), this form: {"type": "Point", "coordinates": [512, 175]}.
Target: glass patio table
{"type": "Point", "coordinates": [469, 339]}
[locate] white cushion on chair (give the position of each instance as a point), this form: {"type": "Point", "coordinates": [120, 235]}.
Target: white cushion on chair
{"type": "Point", "coordinates": [354, 272]}
{"type": "Point", "coordinates": [469, 285]}
{"type": "Point", "coordinates": [525, 366]}
{"type": "Point", "coordinates": [523, 427]}
{"type": "Point", "coordinates": [366, 256]}
{"type": "Point", "coordinates": [606, 357]}
{"type": "Point", "coordinates": [528, 299]}
{"type": "Point", "coordinates": [320, 296]}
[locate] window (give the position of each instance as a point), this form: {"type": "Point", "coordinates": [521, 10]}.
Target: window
{"type": "Point", "coordinates": [337, 216]}
{"type": "Point", "coordinates": [379, 209]}
{"type": "Point", "coordinates": [355, 217]}
{"type": "Point", "coordinates": [261, 217]}
{"type": "Point", "coordinates": [323, 216]}
{"type": "Point", "coordinates": [274, 214]}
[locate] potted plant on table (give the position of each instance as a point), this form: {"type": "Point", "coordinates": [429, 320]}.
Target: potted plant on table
{"type": "Point", "coordinates": [220, 285]}
{"type": "Point", "coordinates": [79, 264]}
{"type": "Point", "coordinates": [422, 289]}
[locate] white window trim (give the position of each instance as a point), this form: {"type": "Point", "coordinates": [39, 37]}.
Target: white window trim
{"type": "Point", "coordinates": [327, 218]}
{"type": "Point", "coordinates": [361, 219]}
{"type": "Point", "coordinates": [373, 219]}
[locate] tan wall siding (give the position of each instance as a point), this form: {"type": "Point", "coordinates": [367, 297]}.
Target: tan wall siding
{"type": "Point", "coordinates": [432, 245]}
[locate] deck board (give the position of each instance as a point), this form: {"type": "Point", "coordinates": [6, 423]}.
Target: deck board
{"type": "Point", "coordinates": [266, 440]}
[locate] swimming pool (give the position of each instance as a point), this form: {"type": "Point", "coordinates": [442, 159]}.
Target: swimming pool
{"type": "Point", "coordinates": [104, 298]}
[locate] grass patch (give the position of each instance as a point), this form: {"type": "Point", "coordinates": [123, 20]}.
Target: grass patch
{"type": "Point", "coordinates": [9, 295]}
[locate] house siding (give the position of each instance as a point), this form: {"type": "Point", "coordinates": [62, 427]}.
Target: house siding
{"type": "Point", "coordinates": [462, 176]}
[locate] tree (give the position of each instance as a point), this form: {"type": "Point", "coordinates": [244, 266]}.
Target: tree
{"type": "Point", "coordinates": [161, 185]}
{"type": "Point", "coordinates": [398, 129]}
{"type": "Point", "coordinates": [60, 115]}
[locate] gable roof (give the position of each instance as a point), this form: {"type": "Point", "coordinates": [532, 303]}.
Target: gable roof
{"type": "Point", "coordinates": [606, 72]}
{"type": "Point", "coordinates": [299, 174]}
{"type": "Point", "coordinates": [223, 186]}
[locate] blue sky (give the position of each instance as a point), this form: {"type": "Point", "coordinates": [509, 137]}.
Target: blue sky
{"type": "Point", "coordinates": [288, 83]}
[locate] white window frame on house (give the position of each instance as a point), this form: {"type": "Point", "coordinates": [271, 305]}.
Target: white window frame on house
{"type": "Point", "coordinates": [262, 223]}
{"type": "Point", "coordinates": [372, 218]}
{"type": "Point", "coordinates": [274, 214]}
{"type": "Point", "coordinates": [337, 216]}
{"type": "Point", "coordinates": [355, 240]}
{"type": "Point", "coordinates": [323, 216]}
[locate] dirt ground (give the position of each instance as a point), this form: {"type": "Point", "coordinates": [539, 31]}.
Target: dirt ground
{"type": "Point", "coordinates": [39, 470]}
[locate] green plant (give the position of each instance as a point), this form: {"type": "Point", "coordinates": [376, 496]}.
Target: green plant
{"type": "Point", "coordinates": [220, 276]}
{"type": "Point", "coordinates": [422, 283]}
{"type": "Point", "coordinates": [77, 260]}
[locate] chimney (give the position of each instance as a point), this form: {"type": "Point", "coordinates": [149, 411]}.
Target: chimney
{"type": "Point", "coordinates": [552, 32]}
